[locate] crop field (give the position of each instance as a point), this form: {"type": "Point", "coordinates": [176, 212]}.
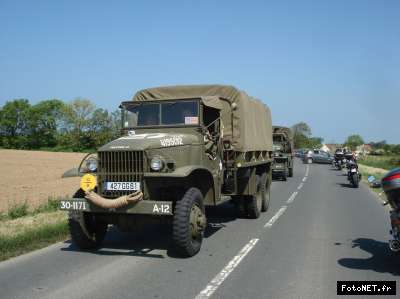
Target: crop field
{"type": "Point", "coordinates": [35, 176]}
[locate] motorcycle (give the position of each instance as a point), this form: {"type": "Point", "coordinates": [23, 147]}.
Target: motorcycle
{"type": "Point", "coordinates": [353, 175]}
{"type": "Point", "coordinates": [391, 187]}
{"type": "Point", "coordinates": [339, 161]}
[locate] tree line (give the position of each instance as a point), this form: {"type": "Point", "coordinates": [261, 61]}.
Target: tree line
{"type": "Point", "coordinates": [56, 125]}
{"type": "Point", "coordinates": [81, 126]}
{"type": "Point", "coordinates": [303, 138]}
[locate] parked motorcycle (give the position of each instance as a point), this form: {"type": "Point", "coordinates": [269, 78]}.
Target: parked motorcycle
{"type": "Point", "coordinates": [391, 187]}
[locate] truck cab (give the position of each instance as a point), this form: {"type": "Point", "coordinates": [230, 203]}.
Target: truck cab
{"type": "Point", "coordinates": [283, 153]}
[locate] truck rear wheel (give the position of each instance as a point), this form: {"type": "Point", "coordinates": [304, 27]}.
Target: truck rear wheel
{"type": "Point", "coordinates": [254, 202]}
{"type": "Point", "coordinates": [189, 223]}
{"type": "Point", "coordinates": [291, 172]}
{"type": "Point", "coordinates": [240, 206]}
{"type": "Point", "coordinates": [86, 231]}
{"type": "Point", "coordinates": [265, 191]}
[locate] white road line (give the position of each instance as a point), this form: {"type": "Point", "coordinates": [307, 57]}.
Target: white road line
{"type": "Point", "coordinates": [300, 186]}
{"type": "Point", "coordinates": [307, 170]}
{"type": "Point", "coordinates": [292, 197]}
{"type": "Point", "coordinates": [304, 179]}
{"type": "Point", "coordinates": [221, 276]}
{"type": "Point", "coordinates": [276, 216]}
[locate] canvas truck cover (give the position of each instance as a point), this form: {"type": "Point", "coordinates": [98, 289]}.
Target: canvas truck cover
{"type": "Point", "coordinates": [286, 131]}
{"type": "Point", "coordinates": [283, 130]}
{"type": "Point", "coordinates": [248, 127]}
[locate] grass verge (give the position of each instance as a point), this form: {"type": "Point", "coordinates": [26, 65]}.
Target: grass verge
{"type": "Point", "coordinates": [384, 162]}
{"type": "Point", "coordinates": [29, 233]}
{"type": "Point", "coordinates": [378, 173]}
{"type": "Point", "coordinates": [22, 209]}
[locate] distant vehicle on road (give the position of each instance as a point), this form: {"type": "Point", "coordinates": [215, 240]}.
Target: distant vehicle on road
{"type": "Point", "coordinates": [317, 156]}
{"type": "Point", "coordinates": [282, 166]}
{"type": "Point", "coordinates": [300, 153]}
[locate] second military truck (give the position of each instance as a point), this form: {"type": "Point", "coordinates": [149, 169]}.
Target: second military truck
{"type": "Point", "coordinates": [283, 152]}
{"type": "Point", "coordinates": [181, 148]}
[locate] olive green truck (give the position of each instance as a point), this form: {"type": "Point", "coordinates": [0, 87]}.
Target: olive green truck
{"type": "Point", "coordinates": [182, 148]}
{"type": "Point", "coordinates": [283, 152]}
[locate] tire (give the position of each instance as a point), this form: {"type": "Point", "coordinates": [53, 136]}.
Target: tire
{"type": "Point", "coordinates": [265, 192]}
{"type": "Point", "coordinates": [284, 176]}
{"type": "Point", "coordinates": [86, 231]}
{"type": "Point", "coordinates": [291, 172]}
{"type": "Point", "coordinates": [354, 180]}
{"type": "Point", "coordinates": [240, 207]}
{"type": "Point", "coordinates": [189, 223]}
{"type": "Point", "coordinates": [254, 202]}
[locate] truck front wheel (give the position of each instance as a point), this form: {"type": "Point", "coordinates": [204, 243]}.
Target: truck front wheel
{"type": "Point", "coordinates": [189, 223]}
{"type": "Point", "coordinates": [86, 231]}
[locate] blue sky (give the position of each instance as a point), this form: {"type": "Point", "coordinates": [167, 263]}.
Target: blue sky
{"type": "Point", "coordinates": [333, 64]}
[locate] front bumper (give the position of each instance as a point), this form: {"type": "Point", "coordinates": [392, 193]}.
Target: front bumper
{"type": "Point", "coordinates": [279, 170]}
{"type": "Point", "coordinates": [146, 207]}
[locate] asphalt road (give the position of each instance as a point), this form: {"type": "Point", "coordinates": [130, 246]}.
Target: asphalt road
{"type": "Point", "coordinates": [318, 230]}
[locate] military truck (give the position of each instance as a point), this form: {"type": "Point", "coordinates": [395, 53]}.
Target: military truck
{"type": "Point", "coordinates": [283, 152]}
{"type": "Point", "coordinates": [182, 148]}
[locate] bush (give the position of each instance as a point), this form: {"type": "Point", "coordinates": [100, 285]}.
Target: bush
{"type": "Point", "coordinates": [50, 206]}
{"type": "Point", "coordinates": [18, 210]}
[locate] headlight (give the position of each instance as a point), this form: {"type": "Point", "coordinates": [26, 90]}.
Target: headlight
{"type": "Point", "coordinates": [91, 164]}
{"type": "Point", "coordinates": [156, 164]}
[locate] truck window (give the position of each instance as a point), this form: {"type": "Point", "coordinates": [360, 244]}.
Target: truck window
{"type": "Point", "coordinates": [142, 115]}
{"type": "Point", "coordinates": [209, 116]}
{"type": "Point", "coordinates": [161, 113]}
{"type": "Point", "coordinates": [184, 113]}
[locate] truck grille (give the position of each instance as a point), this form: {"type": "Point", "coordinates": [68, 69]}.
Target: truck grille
{"type": "Point", "coordinates": [119, 166]}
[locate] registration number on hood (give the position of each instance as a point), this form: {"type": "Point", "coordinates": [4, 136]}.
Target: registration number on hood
{"type": "Point", "coordinates": [171, 141]}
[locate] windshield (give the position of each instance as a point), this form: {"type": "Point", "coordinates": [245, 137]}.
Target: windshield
{"type": "Point", "coordinates": [158, 114]}
{"type": "Point", "coordinates": [278, 138]}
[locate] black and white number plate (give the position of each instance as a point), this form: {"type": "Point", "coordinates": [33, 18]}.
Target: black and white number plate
{"type": "Point", "coordinates": [75, 205]}
{"type": "Point", "coordinates": [122, 186]}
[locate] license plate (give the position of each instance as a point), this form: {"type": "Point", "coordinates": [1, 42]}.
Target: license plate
{"type": "Point", "coordinates": [354, 170]}
{"type": "Point", "coordinates": [162, 208]}
{"type": "Point", "coordinates": [76, 204]}
{"type": "Point", "coordinates": [122, 186]}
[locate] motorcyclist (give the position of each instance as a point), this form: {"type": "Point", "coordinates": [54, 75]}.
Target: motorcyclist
{"type": "Point", "coordinates": [339, 154]}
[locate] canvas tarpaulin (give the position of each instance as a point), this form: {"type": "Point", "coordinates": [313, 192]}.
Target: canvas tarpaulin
{"type": "Point", "coordinates": [248, 126]}
{"type": "Point", "coordinates": [285, 131]}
